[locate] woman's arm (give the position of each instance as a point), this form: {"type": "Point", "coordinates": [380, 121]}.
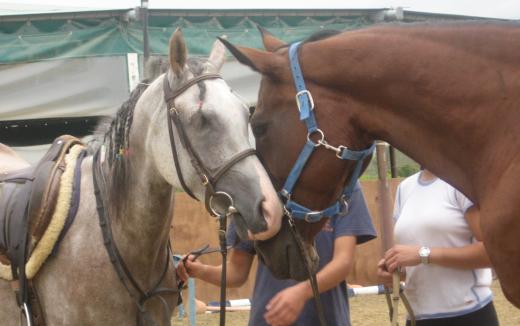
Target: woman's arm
{"type": "Point", "coordinates": [285, 307]}
{"type": "Point", "coordinates": [468, 257]}
{"type": "Point", "coordinates": [238, 266]}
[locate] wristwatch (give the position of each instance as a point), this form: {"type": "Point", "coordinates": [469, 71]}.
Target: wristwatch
{"type": "Point", "coordinates": [424, 253]}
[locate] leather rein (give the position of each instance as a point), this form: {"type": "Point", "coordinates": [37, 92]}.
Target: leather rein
{"type": "Point", "coordinates": [122, 270]}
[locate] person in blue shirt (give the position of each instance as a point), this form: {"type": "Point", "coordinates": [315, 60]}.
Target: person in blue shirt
{"type": "Point", "coordinates": [288, 302]}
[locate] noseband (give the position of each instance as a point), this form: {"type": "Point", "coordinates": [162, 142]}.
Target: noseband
{"type": "Point", "coordinates": [208, 180]}
{"type": "Point", "coordinates": [305, 105]}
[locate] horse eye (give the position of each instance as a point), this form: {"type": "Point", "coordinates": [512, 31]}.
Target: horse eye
{"type": "Point", "coordinates": [259, 129]}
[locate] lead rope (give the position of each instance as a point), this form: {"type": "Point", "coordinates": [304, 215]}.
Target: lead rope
{"type": "Point", "coordinates": [222, 218]}
{"type": "Point", "coordinates": [223, 251]}
{"type": "Point", "coordinates": [312, 276]}
{"type": "Point", "coordinates": [392, 300]}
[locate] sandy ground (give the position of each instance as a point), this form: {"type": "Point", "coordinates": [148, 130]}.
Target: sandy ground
{"type": "Point", "coordinates": [366, 311]}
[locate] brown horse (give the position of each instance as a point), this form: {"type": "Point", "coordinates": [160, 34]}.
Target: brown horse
{"type": "Point", "coordinates": [446, 95]}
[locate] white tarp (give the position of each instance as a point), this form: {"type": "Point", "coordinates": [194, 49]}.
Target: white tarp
{"type": "Point", "coordinates": [83, 87]}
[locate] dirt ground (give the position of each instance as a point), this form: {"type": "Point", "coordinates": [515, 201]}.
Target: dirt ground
{"type": "Point", "coordinates": [366, 311]}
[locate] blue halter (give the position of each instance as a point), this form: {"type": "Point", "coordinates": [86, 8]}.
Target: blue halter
{"type": "Point", "coordinates": [305, 105]}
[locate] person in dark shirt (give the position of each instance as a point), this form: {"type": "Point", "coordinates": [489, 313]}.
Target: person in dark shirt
{"type": "Point", "coordinates": [288, 302]}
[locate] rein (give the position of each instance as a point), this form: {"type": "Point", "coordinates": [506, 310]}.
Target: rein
{"type": "Point", "coordinates": [123, 272]}
{"type": "Point", "coordinates": [294, 210]}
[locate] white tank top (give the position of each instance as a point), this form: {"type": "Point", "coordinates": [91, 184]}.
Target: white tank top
{"type": "Point", "coordinates": [432, 214]}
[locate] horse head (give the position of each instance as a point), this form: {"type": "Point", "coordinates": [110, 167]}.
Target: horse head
{"type": "Point", "coordinates": [280, 137]}
{"type": "Point", "coordinates": [206, 126]}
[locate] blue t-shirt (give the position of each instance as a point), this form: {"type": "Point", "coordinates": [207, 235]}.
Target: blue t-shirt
{"type": "Point", "coordinates": [356, 223]}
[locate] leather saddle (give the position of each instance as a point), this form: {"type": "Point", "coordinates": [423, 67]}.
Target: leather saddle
{"type": "Point", "coordinates": [27, 200]}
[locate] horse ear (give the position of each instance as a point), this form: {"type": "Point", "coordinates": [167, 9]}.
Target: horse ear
{"type": "Point", "coordinates": [178, 52]}
{"type": "Point", "coordinates": [261, 61]}
{"type": "Point", "coordinates": [271, 43]}
{"type": "Point", "coordinates": [217, 55]}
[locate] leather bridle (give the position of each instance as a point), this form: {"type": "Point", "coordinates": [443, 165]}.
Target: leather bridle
{"type": "Point", "coordinates": [208, 180]}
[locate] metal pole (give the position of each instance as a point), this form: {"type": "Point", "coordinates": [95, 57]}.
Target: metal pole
{"type": "Point", "coordinates": [384, 197]}
{"type": "Point", "coordinates": [385, 217]}
{"type": "Point", "coordinates": [144, 20]}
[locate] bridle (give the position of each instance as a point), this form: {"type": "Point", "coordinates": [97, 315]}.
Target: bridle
{"type": "Point", "coordinates": [305, 104]}
{"type": "Point", "coordinates": [294, 210]}
{"type": "Point", "coordinates": [208, 180]}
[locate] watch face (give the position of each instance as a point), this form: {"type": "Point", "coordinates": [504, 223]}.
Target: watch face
{"type": "Point", "coordinates": [424, 252]}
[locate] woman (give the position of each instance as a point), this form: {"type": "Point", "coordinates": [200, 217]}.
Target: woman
{"type": "Point", "coordinates": [439, 249]}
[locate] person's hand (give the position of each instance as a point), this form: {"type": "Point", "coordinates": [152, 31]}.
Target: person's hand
{"type": "Point", "coordinates": [190, 268]}
{"type": "Point", "coordinates": [383, 275]}
{"type": "Point", "coordinates": [401, 256]}
{"type": "Point", "coordinates": [285, 307]}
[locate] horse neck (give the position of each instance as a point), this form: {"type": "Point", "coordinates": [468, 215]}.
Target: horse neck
{"type": "Point", "coordinates": [141, 225]}
{"type": "Point", "coordinates": [431, 99]}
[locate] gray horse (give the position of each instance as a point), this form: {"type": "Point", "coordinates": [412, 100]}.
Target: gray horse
{"type": "Point", "coordinates": [79, 285]}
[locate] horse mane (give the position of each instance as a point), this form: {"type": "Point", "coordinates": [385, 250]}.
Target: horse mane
{"type": "Point", "coordinates": [114, 132]}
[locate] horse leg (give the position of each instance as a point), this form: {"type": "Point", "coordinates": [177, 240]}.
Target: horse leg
{"type": "Point", "coordinates": [9, 312]}
{"type": "Point", "coordinates": [500, 222]}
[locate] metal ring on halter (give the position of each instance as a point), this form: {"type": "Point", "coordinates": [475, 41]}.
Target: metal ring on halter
{"type": "Point", "coordinates": [309, 96]}
{"type": "Point", "coordinates": [231, 207]}
{"type": "Point", "coordinates": [319, 142]}
{"type": "Point", "coordinates": [25, 311]}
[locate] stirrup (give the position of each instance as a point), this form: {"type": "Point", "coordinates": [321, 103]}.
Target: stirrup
{"type": "Point", "coordinates": [25, 312]}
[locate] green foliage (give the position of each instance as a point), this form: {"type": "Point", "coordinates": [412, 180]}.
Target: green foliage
{"type": "Point", "coordinates": [407, 170]}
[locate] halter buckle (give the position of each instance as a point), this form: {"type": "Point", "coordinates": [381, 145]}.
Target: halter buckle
{"type": "Point", "coordinates": [344, 205]}
{"type": "Point", "coordinates": [205, 180]}
{"type": "Point", "coordinates": [340, 150]}
{"type": "Point", "coordinates": [309, 217]}
{"type": "Point", "coordinates": [309, 96]}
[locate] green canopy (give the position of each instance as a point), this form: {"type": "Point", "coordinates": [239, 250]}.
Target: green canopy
{"type": "Point", "coordinates": [42, 37]}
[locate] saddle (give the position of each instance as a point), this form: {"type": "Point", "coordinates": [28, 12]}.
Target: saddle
{"type": "Point", "coordinates": [27, 200]}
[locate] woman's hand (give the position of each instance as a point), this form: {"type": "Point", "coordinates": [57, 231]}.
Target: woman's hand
{"type": "Point", "coordinates": [190, 268]}
{"type": "Point", "coordinates": [285, 307]}
{"type": "Point", "coordinates": [401, 256]}
{"type": "Point", "coordinates": [383, 275]}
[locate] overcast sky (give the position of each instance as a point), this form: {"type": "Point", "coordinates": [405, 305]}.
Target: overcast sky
{"type": "Point", "coordinates": [485, 8]}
